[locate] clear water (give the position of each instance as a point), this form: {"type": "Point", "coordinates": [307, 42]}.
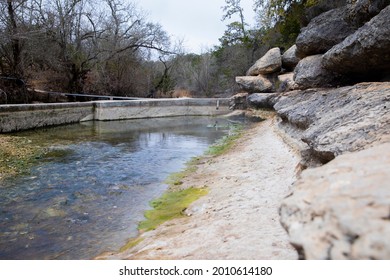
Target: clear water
{"type": "Point", "coordinates": [90, 191]}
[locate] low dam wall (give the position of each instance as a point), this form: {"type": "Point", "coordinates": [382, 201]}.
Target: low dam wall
{"type": "Point", "coordinates": [29, 116]}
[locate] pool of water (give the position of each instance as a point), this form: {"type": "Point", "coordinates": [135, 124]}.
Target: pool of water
{"type": "Point", "coordinates": [88, 193]}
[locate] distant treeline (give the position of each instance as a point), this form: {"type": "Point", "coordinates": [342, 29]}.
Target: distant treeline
{"type": "Point", "coordinates": [110, 47]}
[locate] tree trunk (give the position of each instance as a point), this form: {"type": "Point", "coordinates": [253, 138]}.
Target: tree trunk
{"type": "Point", "coordinates": [16, 67]}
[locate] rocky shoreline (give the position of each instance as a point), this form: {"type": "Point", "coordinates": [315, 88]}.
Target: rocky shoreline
{"type": "Point", "coordinates": [333, 199]}
{"type": "Point", "coordinates": [334, 103]}
{"type": "Point", "coordinates": [340, 205]}
{"type": "Point", "coordinates": [239, 217]}
{"type": "Point", "coordinates": [339, 209]}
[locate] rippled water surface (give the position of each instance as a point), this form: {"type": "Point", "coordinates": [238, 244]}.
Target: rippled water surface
{"type": "Point", "coordinates": [89, 192]}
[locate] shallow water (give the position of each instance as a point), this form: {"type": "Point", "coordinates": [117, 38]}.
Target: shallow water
{"type": "Point", "coordinates": [89, 192]}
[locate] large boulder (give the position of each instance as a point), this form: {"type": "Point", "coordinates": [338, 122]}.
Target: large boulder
{"type": "Point", "coordinates": [365, 50]}
{"type": "Point", "coordinates": [310, 73]}
{"type": "Point", "coordinates": [340, 120]}
{"type": "Point", "coordinates": [271, 62]}
{"type": "Point", "coordinates": [290, 59]}
{"type": "Point", "coordinates": [342, 210]}
{"type": "Point", "coordinates": [319, 7]}
{"type": "Point", "coordinates": [361, 11]}
{"type": "Point", "coordinates": [253, 84]}
{"type": "Point", "coordinates": [323, 32]}
{"type": "Point", "coordinates": [260, 100]}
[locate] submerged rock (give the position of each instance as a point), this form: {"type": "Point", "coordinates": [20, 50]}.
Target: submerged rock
{"type": "Point", "coordinates": [341, 210]}
{"type": "Point", "coordinates": [54, 212]}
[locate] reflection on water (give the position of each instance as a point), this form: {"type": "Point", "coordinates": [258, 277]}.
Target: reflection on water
{"type": "Point", "coordinates": [89, 192]}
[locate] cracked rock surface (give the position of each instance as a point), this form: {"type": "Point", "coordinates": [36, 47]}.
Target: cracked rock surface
{"type": "Point", "coordinates": [335, 121]}
{"type": "Point", "coordinates": [342, 209]}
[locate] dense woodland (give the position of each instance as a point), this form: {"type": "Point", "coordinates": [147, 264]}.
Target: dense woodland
{"type": "Point", "coordinates": [109, 47]}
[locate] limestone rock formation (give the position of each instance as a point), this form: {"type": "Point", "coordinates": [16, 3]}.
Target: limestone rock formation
{"type": "Point", "coordinates": [341, 210]}
{"type": "Point", "coordinates": [254, 83]}
{"type": "Point", "coordinates": [310, 73]}
{"type": "Point", "coordinates": [335, 121]}
{"type": "Point", "coordinates": [361, 11]}
{"type": "Point", "coordinates": [271, 62]}
{"type": "Point", "coordinates": [263, 75]}
{"type": "Point", "coordinates": [323, 32]}
{"type": "Point", "coordinates": [365, 50]}
{"type": "Point", "coordinates": [290, 59]}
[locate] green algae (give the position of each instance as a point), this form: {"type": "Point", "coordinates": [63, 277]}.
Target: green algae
{"type": "Point", "coordinates": [169, 206]}
{"type": "Point", "coordinates": [131, 243]}
{"type": "Point", "coordinates": [173, 203]}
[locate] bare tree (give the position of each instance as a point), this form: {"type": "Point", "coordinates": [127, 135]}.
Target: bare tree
{"type": "Point", "coordinates": [105, 43]}
{"type": "Point", "coordinates": [11, 47]}
{"type": "Point", "coordinates": [126, 43]}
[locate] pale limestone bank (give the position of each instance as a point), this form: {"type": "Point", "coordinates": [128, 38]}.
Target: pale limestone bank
{"type": "Point", "coordinates": [341, 210]}
{"type": "Point", "coordinates": [340, 206]}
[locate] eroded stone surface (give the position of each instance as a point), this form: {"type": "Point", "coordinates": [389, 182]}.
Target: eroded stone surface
{"type": "Point", "coordinates": [310, 73]}
{"type": "Point", "coordinates": [365, 50]}
{"type": "Point", "coordinates": [259, 100]}
{"type": "Point", "coordinates": [340, 120]}
{"type": "Point", "coordinates": [342, 209]}
{"type": "Point", "coordinates": [323, 32]}
{"type": "Point", "coordinates": [238, 101]}
{"type": "Point", "coordinates": [361, 11]}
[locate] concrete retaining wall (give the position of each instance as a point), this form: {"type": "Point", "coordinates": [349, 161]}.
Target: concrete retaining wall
{"type": "Point", "coordinates": [160, 108]}
{"type": "Point", "coordinates": [22, 117]}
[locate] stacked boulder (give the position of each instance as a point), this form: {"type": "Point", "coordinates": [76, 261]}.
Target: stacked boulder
{"type": "Point", "coordinates": [344, 45]}
{"type": "Point", "coordinates": [267, 75]}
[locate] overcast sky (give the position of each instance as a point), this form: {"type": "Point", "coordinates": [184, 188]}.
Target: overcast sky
{"type": "Point", "coordinates": [197, 22]}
